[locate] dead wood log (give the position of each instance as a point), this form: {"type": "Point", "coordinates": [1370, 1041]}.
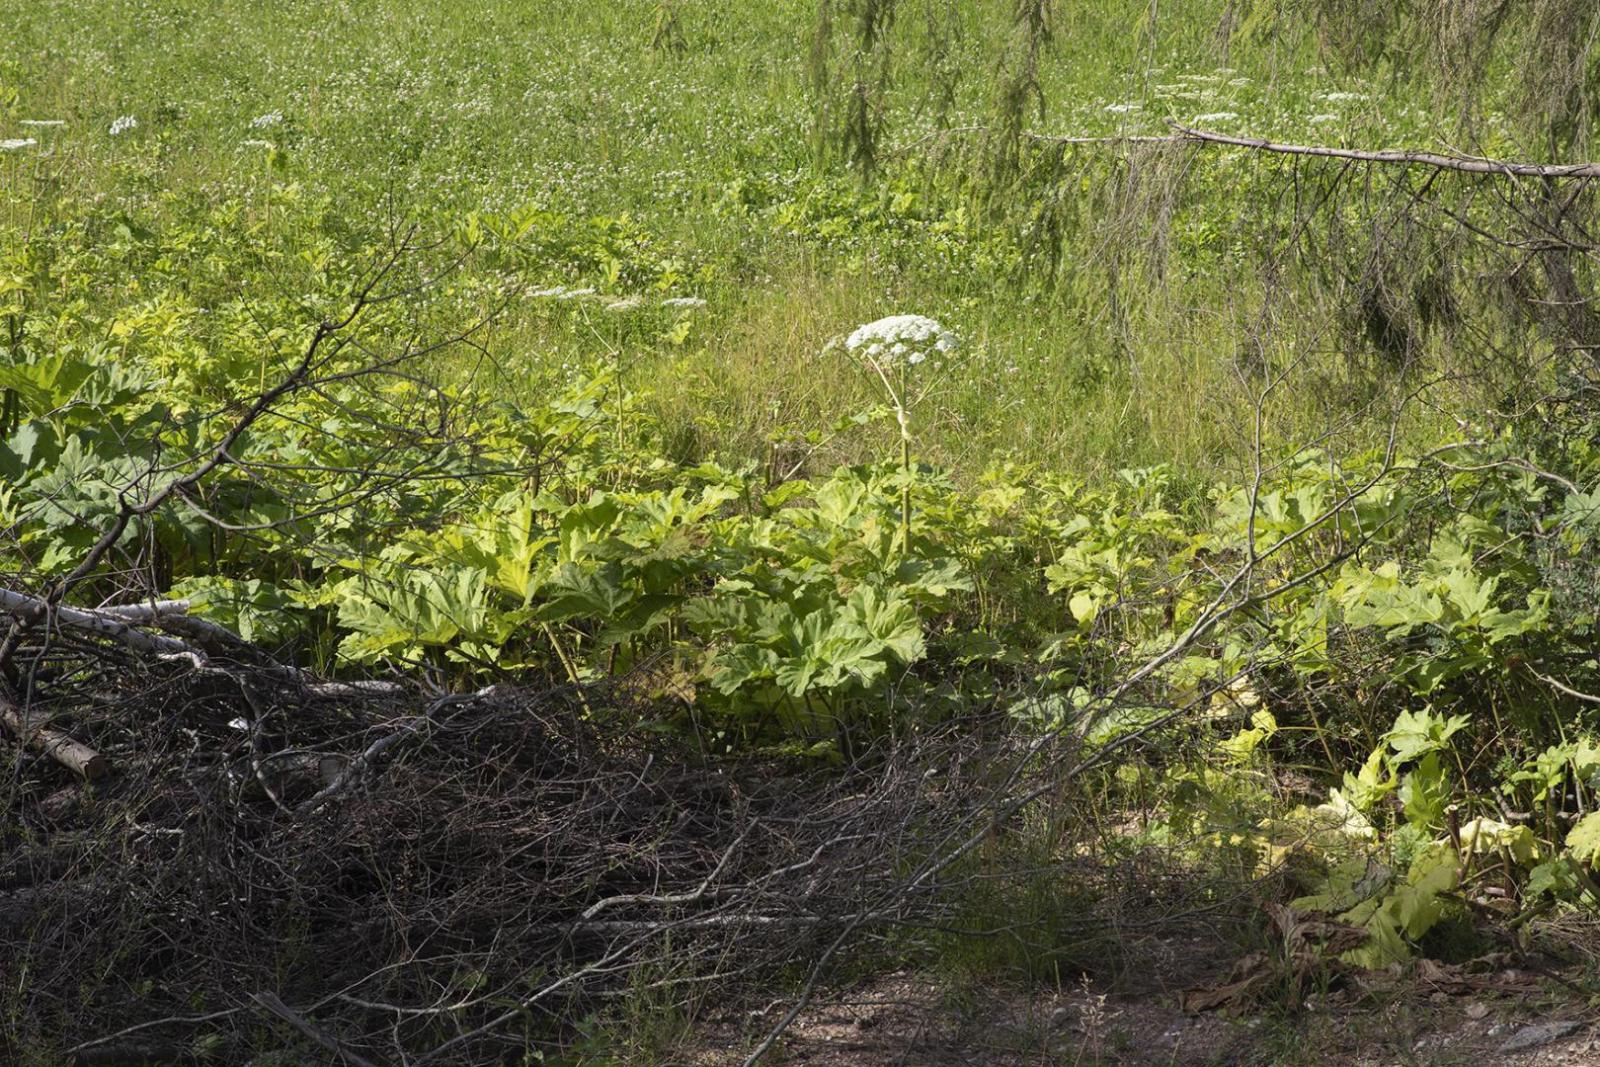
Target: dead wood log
{"type": "Point", "coordinates": [147, 611]}
{"type": "Point", "coordinates": [174, 617]}
{"type": "Point", "coordinates": [22, 604]}
{"type": "Point", "coordinates": [75, 756]}
{"type": "Point", "coordinates": [195, 640]}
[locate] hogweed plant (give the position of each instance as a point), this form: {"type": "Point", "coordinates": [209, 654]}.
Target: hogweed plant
{"type": "Point", "coordinates": [893, 348]}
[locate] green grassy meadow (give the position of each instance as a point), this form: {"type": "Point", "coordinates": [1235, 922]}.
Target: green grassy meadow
{"type": "Point", "coordinates": [1232, 524]}
{"type": "Point", "coordinates": [700, 159]}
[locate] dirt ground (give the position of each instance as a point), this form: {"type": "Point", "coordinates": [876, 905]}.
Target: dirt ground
{"type": "Point", "coordinates": [1498, 1011]}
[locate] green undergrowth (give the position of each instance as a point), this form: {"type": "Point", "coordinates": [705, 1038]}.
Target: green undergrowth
{"type": "Point", "coordinates": [687, 166]}
{"type": "Point", "coordinates": [600, 424]}
{"type": "Point", "coordinates": [1390, 621]}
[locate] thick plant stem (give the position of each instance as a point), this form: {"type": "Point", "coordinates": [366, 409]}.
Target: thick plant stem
{"type": "Point", "coordinates": [905, 487]}
{"type": "Point", "coordinates": [570, 667]}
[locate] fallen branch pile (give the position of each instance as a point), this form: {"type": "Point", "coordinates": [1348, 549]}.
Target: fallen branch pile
{"type": "Point", "coordinates": [205, 854]}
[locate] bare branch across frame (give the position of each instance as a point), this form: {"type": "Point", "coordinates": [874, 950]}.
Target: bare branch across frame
{"type": "Point", "coordinates": [1192, 135]}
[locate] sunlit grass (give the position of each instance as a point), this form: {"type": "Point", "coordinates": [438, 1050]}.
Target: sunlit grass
{"type": "Point", "coordinates": [430, 110]}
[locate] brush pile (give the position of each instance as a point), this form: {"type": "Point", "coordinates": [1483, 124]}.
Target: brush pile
{"type": "Point", "coordinates": [205, 855]}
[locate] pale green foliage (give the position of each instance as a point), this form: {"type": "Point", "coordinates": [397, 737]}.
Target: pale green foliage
{"type": "Point", "coordinates": [642, 472]}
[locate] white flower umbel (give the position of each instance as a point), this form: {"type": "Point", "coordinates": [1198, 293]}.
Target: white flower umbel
{"type": "Point", "coordinates": [1215, 116]}
{"type": "Point", "coordinates": [56, 123]}
{"type": "Point", "coordinates": [891, 348]}
{"type": "Point", "coordinates": [561, 292]}
{"type": "Point", "coordinates": [901, 339]}
{"type": "Point", "coordinates": [122, 124]}
{"type": "Point", "coordinates": [11, 144]}
{"type": "Point", "coordinates": [683, 302]}
{"type": "Point", "coordinates": [271, 118]}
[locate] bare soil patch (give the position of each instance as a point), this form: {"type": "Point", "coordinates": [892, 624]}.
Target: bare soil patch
{"type": "Point", "coordinates": [1430, 1016]}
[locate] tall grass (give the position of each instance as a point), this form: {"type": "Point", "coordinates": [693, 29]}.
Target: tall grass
{"type": "Point", "coordinates": [1118, 357]}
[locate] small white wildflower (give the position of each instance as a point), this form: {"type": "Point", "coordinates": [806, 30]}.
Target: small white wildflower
{"type": "Point", "coordinates": [1340, 96]}
{"type": "Point", "coordinates": [123, 124]}
{"type": "Point", "coordinates": [907, 338]}
{"type": "Point", "coordinates": [271, 118]}
{"type": "Point", "coordinates": [683, 302]}
{"type": "Point", "coordinates": [253, 142]}
{"type": "Point", "coordinates": [1121, 109]}
{"type": "Point", "coordinates": [1323, 118]}
{"type": "Point", "coordinates": [11, 144]}
{"type": "Point", "coordinates": [1215, 116]}
{"type": "Point", "coordinates": [627, 303]}
{"type": "Point", "coordinates": [43, 122]}
{"type": "Point", "coordinates": [574, 294]}
{"type": "Point", "coordinates": [554, 290]}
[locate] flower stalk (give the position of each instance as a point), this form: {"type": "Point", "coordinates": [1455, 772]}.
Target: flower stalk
{"type": "Point", "coordinates": [892, 348]}
{"type": "Point", "coordinates": [905, 485]}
